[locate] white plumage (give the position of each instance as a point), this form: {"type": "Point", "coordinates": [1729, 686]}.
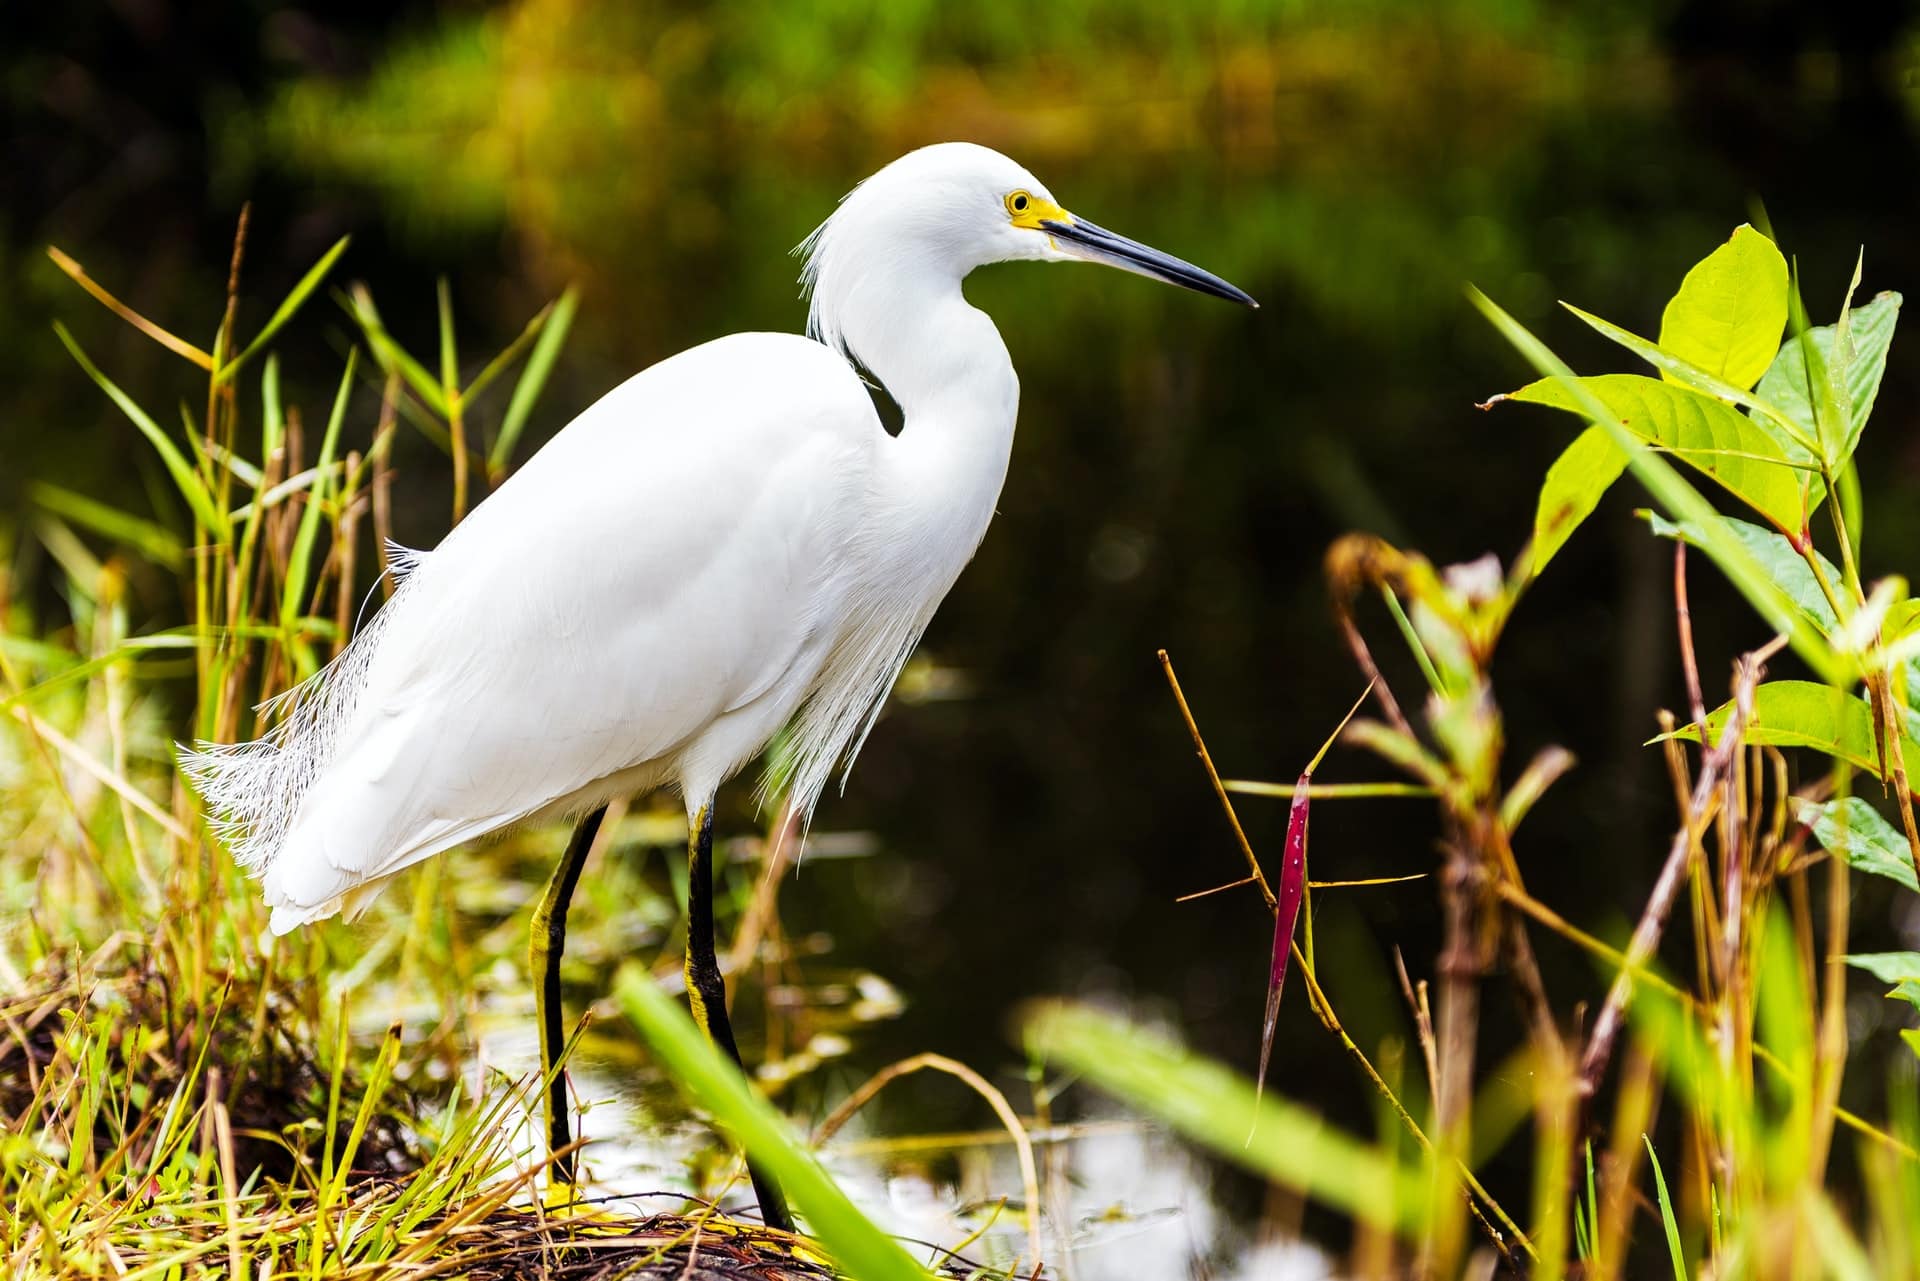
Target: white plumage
{"type": "Point", "coordinates": [725, 544]}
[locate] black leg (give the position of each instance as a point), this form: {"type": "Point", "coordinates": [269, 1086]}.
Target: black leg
{"type": "Point", "coordinates": [544, 950]}
{"type": "Point", "coordinates": [707, 991]}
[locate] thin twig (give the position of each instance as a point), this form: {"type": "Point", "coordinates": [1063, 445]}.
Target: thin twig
{"type": "Point", "coordinates": [1653, 918]}
{"type": "Point", "coordinates": [1540, 912]}
{"type": "Point", "coordinates": [1683, 620]}
{"type": "Point", "coordinates": [1363, 658]}
{"type": "Point", "coordinates": [1218, 889]}
{"type": "Point", "coordinates": [1326, 791]}
{"type": "Point", "coordinates": [1023, 1145]}
{"type": "Point", "coordinates": [1317, 998]}
{"type": "Point", "coordinates": [1422, 1014]}
{"type": "Point", "coordinates": [1219, 789]}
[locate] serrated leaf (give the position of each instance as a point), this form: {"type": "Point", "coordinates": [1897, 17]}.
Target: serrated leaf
{"type": "Point", "coordinates": [1806, 714]}
{"type": "Point", "coordinates": [1574, 486]}
{"type": "Point", "coordinates": [1730, 310]}
{"type": "Point", "coordinates": [1857, 832]}
{"type": "Point", "coordinates": [1787, 567]}
{"type": "Point", "coordinates": [1705, 433]}
{"type": "Point", "coordinates": [1870, 332]}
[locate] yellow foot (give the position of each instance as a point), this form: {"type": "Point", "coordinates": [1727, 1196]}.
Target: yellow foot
{"type": "Point", "coordinates": [560, 1196]}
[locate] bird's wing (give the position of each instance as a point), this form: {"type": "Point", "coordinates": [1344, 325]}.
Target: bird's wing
{"type": "Point", "coordinates": [663, 562]}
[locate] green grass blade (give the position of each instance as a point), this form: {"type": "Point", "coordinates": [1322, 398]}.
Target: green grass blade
{"type": "Point", "coordinates": [185, 478]}
{"type": "Point", "coordinates": [273, 420]}
{"type": "Point", "coordinates": [376, 1086]}
{"type": "Point", "coordinates": [533, 379]}
{"type": "Point", "coordinates": [449, 352]}
{"type": "Point", "coordinates": [508, 354]}
{"type": "Point", "coordinates": [861, 1249]}
{"type": "Point", "coordinates": [1682, 501]}
{"type": "Point", "coordinates": [1590, 1214]}
{"type": "Point", "coordinates": [293, 600]}
{"type": "Point", "coordinates": [153, 541]}
{"type": "Point", "coordinates": [1839, 1249]}
{"type": "Point", "coordinates": [285, 311]}
{"type": "Point", "coordinates": [1674, 1252]}
{"type": "Point", "coordinates": [1419, 651]}
{"type": "Point", "coordinates": [1218, 1108]}
{"type": "Point", "coordinates": [389, 354]}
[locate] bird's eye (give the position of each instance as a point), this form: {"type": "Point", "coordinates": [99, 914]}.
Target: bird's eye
{"type": "Point", "coordinates": [1019, 202]}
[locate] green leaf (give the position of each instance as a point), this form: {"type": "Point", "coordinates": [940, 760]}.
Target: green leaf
{"type": "Point", "coordinates": [185, 478]}
{"type": "Point", "coordinates": [1796, 443]}
{"type": "Point", "coordinates": [1787, 567]}
{"type": "Point", "coordinates": [1888, 967]}
{"type": "Point", "coordinates": [1218, 1108]}
{"type": "Point", "coordinates": [1831, 415]}
{"type": "Point", "coordinates": [1806, 714]}
{"type": "Point", "coordinates": [1575, 483]}
{"type": "Point", "coordinates": [1902, 969]}
{"type": "Point", "coordinates": [1912, 1038]}
{"type": "Point", "coordinates": [1730, 310]}
{"type": "Point", "coordinates": [1680, 498]}
{"type": "Point", "coordinates": [1858, 833]}
{"type": "Point", "coordinates": [1870, 334]}
{"type": "Point", "coordinates": [848, 1236]}
{"type": "Point", "coordinates": [1704, 432]}
{"type": "Point", "coordinates": [533, 379]}
{"type": "Point", "coordinates": [284, 312]}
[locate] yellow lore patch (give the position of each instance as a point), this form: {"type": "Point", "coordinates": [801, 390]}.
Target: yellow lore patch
{"type": "Point", "coordinates": [1029, 211]}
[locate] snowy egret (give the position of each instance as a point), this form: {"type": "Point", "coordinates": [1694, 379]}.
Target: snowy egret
{"type": "Point", "coordinates": [726, 544]}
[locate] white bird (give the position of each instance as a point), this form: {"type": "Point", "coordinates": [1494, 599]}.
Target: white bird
{"type": "Point", "coordinates": [726, 544]}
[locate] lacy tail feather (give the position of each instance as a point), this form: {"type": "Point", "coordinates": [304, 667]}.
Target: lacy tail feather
{"type": "Point", "coordinates": [253, 790]}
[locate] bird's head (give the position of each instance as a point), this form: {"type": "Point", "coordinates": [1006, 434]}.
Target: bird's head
{"type": "Point", "coordinates": [943, 210]}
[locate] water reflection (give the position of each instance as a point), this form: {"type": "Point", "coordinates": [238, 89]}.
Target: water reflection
{"type": "Point", "coordinates": [1122, 1200]}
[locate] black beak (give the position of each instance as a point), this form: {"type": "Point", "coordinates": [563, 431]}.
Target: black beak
{"type": "Point", "coordinates": [1097, 244]}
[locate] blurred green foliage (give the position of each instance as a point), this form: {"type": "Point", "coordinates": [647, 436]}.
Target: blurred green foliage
{"type": "Point", "coordinates": [615, 138]}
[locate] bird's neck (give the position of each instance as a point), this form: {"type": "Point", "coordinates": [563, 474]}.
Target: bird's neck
{"type": "Point", "coordinates": [943, 362]}
{"type": "Point", "coordinates": [933, 351]}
